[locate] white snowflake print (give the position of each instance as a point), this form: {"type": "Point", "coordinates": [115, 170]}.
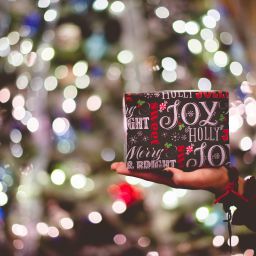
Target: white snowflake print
{"type": "Point", "coordinates": [163, 106]}
{"type": "Point", "coordinates": [189, 149]}
{"type": "Point", "coordinates": [175, 136]}
{"type": "Point", "coordinates": [157, 94]}
{"type": "Point", "coordinates": [190, 113]}
{"type": "Point", "coordinates": [139, 133]}
{"type": "Point", "coordinates": [165, 134]}
{"type": "Point", "coordinates": [216, 156]}
{"type": "Point", "coordinates": [145, 138]}
{"type": "Point", "coordinates": [187, 129]}
{"type": "Point", "coordinates": [133, 140]}
{"type": "Point", "coordinates": [183, 137]}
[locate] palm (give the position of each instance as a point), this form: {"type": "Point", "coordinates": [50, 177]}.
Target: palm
{"type": "Point", "coordinates": [211, 179]}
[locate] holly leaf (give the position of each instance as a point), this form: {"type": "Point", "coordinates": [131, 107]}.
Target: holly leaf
{"type": "Point", "coordinates": [140, 102]}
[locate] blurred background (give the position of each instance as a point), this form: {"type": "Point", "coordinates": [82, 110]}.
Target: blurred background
{"type": "Point", "coordinates": [63, 69]}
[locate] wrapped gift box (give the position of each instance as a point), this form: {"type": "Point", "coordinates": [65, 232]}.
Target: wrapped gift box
{"type": "Point", "coordinates": [182, 129]}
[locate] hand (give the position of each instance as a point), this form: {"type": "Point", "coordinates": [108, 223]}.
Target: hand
{"type": "Point", "coordinates": [210, 179]}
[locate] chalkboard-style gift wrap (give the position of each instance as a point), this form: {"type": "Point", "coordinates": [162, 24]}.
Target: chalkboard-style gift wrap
{"type": "Point", "coordinates": [183, 129]}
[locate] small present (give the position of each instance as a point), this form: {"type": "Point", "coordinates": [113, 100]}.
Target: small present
{"type": "Point", "coordinates": [183, 129]}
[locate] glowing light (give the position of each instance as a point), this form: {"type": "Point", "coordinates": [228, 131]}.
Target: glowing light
{"type": "Point", "coordinates": [214, 13]}
{"type": "Point", "coordinates": [18, 244]}
{"type": "Point", "coordinates": [249, 252]}
{"type": "Point", "coordinates": [95, 217]}
{"type": "Point", "coordinates": [42, 228]}
{"type": "Point", "coordinates": [60, 125]}
{"type": "Point", "coordinates": [15, 58]}
{"type": "Point", "coordinates": [100, 5]}
{"type": "Point", "coordinates": [162, 12]}
{"type": "Point", "coordinates": [119, 206]}
{"type": "Point", "coordinates": [13, 37]}
{"type": "Point", "coordinates": [94, 103]}
{"type": "Point", "coordinates": [212, 219]}
{"type": "Point", "coordinates": [220, 59]}
{"type": "Point", "coordinates": [226, 38]}
{"type": "Point", "coordinates": [202, 213]}
{"type": "Point", "coordinates": [170, 200]}
{"type": "Point", "coordinates": [180, 192]}
{"type": "Point", "coordinates": [209, 21]}
{"type": "Point", "coordinates": [80, 68]}
{"type": "Point", "coordinates": [195, 46]}
{"type": "Point", "coordinates": [26, 46]}
{"type": "Point", "coordinates": [19, 113]}
{"type": "Point", "coordinates": [235, 122]}
{"type": "Point", "coordinates": [146, 183]}
{"type": "Point", "coordinates": [192, 28]}
{"type": "Point", "coordinates": [78, 181]}
{"type": "Point", "coordinates": [245, 87]}
{"type": "Point", "coordinates": [4, 47]}
{"type": "Point", "coordinates": [236, 68]}
{"type": "Point", "coordinates": [125, 56]}
{"type": "Point", "coordinates": [251, 120]}
{"type": "Point", "coordinates": [18, 101]}
{"type": "Point", "coordinates": [169, 76]}
{"type": "Point", "coordinates": [152, 253]}
{"type": "Point", "coordinates": [19, 230]}
{"type": "Point", "coordinates": [50, 15]}
{"type": "Point", "coordinates": [114, 72]}
{"type": "Point", "coordinates": [206, 34]}
{"type": "Point", "coordinates": [58, 177]}
{"type": "Point", "coordinates": [53, 232]}
{"type": "Point", "coordinates": [33, 124]}
{"type": "Point", "coordinates": [233, 241]}
{"type": "Point", "coordinates": [179, 26]}
{"type": "Point", "coordinates": [245, 143]}
{"type": "Point", "coordinates": [169, 63]}
{"type": "Point", "coordinates": [218, 241]}
{"type": "Point", "coordinates": [211, 45]}
{"type": "Point", "coordinates": [43, 3]}
{"type": "Point", "coordinates": [69, 106]}
{"type": "Point", "coordinates": [66, 223]}
{"type": "Point", "coordinates": [144, 241]}
{"type": "Point", "coordinates": [108, 154]}
{"type": "Point", "coordinates": [4, 95]}
{"type": "Point", "coordinates": [50, 83]}
{"type": "Point", "coordinates": [204, 84]}
{"type": "Point", "coordinates": [61, 72]}
{"type": "Point", "coordinates": [70, 92]}
{"type": "Point", "coordinates": [16, 150]}
{"type": "Point", "coordinates": [132, 180]}
{"type": "Point", "coordinates": [119, 239]}
{"type": "Point", "coordinates": [82, 82]}
{"type": "Point", "coordinates": [117, 7]}
{"type": "Point", "coordinates": [3, 198]}
{"type": "Point", "coordinates": [47, 53]}
{"type": "Point", "coordinates": [22, 82]}
{"type": "Point", "coordinates": [15, 135]}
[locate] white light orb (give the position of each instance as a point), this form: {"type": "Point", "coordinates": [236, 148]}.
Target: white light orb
{"type": "Point", "coordinates": [119, 239]}
{"type": "Point", "coordinates": [162, 12]}
{"type": "Point", "coordinates": [206, 34]}
{"type": "Point", "coordinates": [245, 143]}
{"type": "Point", "coordinates": [204, 84]}
{"type": "Point", "coordinates": [125, 57]}
{"type": "Point", "coordinates": [13, 37]}
{"type": "Point", "coordinates": [60, 125]}
{"type": "Point", "coordinates": [236, 68]}
{"type": "Point", "coordinates": [117, 7]}
{"type": "Point", "coordinates": [22, 81]}
{"type": "Point", "coordinates": [82, 82]}
{"type": "Point", "coordinates": [192, 27]}
{"type": "Point", "coordinates": [100, 5]}
{"type": "Point", "coordinates": [108, 154]}
{"type": "Point", "coordinates": [70, 92]}
{"type": "Point", "coordinates": [218, 241]}
{"type": "Point", "coordinates": [19, 230]}
{"type": "Point", "coordinates": [209, 21]}
{"type": "Point", "coordinates": [211, 45]}
{"type": "Point", "coordinates": [50, 15]}
{"type": "Point", "coordinates": [179, 26]}
{"type": "Point", "coordinates": [3, 199]}
{"type": "Point", "coordinates": [226, 38]}
{"type": "Point", "coordinates": [233, 241]}
{"type": "Point", "coordinates": [15, 58]}
{"type": "Point", "coordinates": [202, 213]}
{"type": "Point", "coordinates": [50, 83]}
{"type": "Point", "coordinates": [170, 200]}
{"type": "Point", "coordinates": [221, 59]}
{"type": "Point", "coordinates": [169, 63]}
{"type": "Point", "coordinates": [169, 76]}
{"type": "Point", "coordinates": [18, 101]}
{"type": "Point", "coordinates": [15, 136]}
{"type": "Point", "coordinates": [119, 206]}
{"type": "Point", "coordinates": [235, 123]}
{"type": "Point", "coordinates": [194, 46]}
{"type": "Point", "coordinates": [4, 95]}
{"type": "Point", "coordinates": [94, 103]}
{"type": "Point", "coordinates": [53, 232]}
{"type": "Point", "coordinates": [66, 223]}
{"type": "Point", "coordinates": [80, 68]}
{"type": "Point", "coordinates": [33, 124]}
{"type": "Point", "coordinates": [61, 72]}
{"type": "Point", "coordinates": [42, 228]}
{"type": "Point", "coordinates": [43, 3]}
{"type": "Point", "coordinates": [95, 217]}
{"type": "Point", "coordinates": [69, 106]}
{"type": "Point", "coordinates": [47, 53]}
{"type": "Point", "coordinates": [78, 181]}
{"type": "Point", "coordinates": [58, 177]}
{"type": "Point", "coordinates": [19, 113]}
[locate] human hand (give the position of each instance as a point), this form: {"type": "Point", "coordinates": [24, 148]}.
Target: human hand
{"type": "Point", "coordinates": [210, 179]}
